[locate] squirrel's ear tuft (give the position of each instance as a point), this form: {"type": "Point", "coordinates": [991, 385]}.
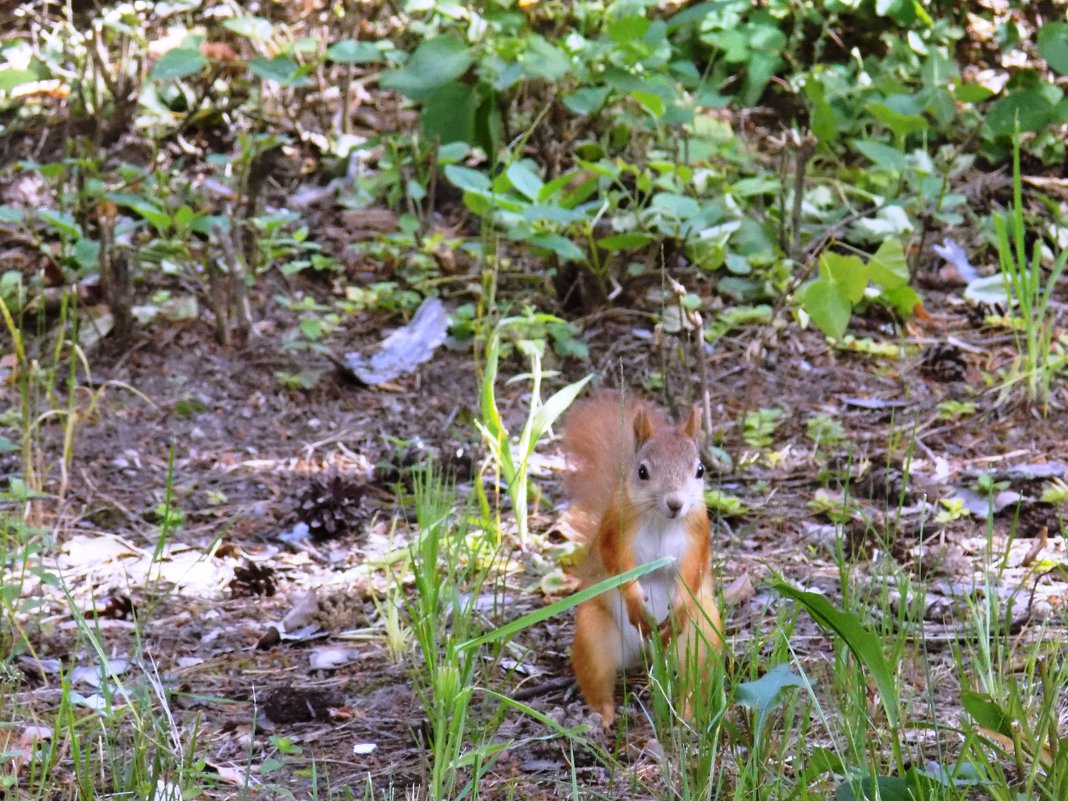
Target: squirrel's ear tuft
{"type": "Point", "coordinates": [692, 427]}
{"type": "Point", "coordinates": [643, 427]}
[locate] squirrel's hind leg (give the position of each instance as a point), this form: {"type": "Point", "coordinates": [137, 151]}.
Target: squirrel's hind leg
{"type": "Point", "coordinates": [596, 658]}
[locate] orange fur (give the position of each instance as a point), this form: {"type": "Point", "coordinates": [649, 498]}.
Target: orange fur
{"type": "Point", "coordinates": [633, 481]}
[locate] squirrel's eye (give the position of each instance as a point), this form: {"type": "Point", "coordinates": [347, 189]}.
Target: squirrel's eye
{"type": "Point", "coordinates": [643, 472]}
{"type": "Point", "coordinates": [700, 470]}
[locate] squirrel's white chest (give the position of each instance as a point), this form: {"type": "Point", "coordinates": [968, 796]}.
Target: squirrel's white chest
{"type": "Point", "coordinates": [654, 541]}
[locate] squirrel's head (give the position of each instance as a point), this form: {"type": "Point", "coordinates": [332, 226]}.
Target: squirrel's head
{"type": "Point", "coordinates": [666, 472]}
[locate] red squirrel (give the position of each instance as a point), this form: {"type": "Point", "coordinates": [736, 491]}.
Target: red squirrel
{"type": "Point", "coordinates": [637, 483]}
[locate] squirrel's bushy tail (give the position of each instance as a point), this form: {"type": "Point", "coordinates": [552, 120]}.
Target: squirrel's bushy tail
{"type": "Point", "coordinates": [599, 442]}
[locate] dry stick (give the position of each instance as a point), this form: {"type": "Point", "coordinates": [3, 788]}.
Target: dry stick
{"type": "Point", "coordinates": [238, 288]}
{"type": "Point", "coordinates": [696, 323]}
{"type": "Point", "coordinates": [805, 148]}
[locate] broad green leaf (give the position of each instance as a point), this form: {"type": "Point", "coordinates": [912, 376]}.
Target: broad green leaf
{"type": "Point", "coordinates": [652, 103]}
{"type": "Point", "coordinates": [828, 307]}
{"type": "Point", "coordinates": [281, 69]}
{"type": "Point", "coordinates": [972, 92]}
{"type": "Point", "coordinates": [884, 788]}
{"type": "Point", "coordinates": [560, 245]}
{"type": "Point", "coordinates": [449, 114]}
{"type": "Point", "coordinates": [902, 299]}
{"type": "Point", "coordinates": [763, 695]}
{"type": "Point", "coordinates": [824, 122]}
{"type": "Point", "coordinates": [1030, 106]}
{"type": "Point", "coordinates": [250, 27]}
{"type": "Point", "coordinates": [899, 113]}
{"type": "Point", "coordinates": [883, 155]}
{"type": "Point", "coordinates": [889, 267]}
{"type": "Point", "coordinates": [86, 253]}
{"type": "Point", "coordinates": [678, 206]}
{"type": "Point", "coordinates": [985, 711]}
{"type": "Point", "coordinates": [11, 78]}
{"type": "Point", "coordinates": [752, 187]}
{"type": "Point", "coordinates": [466, 179]}
{"type": "Point", "coordinates": [349, 51]}
{"type": "Point", "coordinates": [553, 213]}
{"type": "Point", "coordinates": [587, 100]}
{"type": "Point", "coordinates": [525, 180]}
{"type": "Point", "coordinates": [178, 63]}
{"type": "Point", "coordinates": [544, 61]}
{"type": "Point", "coordinates": [625, 241]}
{"type": "Point", "coordinates": [1053, 45]}
{"type": "Point", "coordinates": [865, 645]}
{"type": "Point", "coordinates": [158, 218]}
{"type": "Point", "coordinates": [61, 221]}
{"type": "Point", "coordinates": [847, 272]}
{"type": "Point", "coordinates": [627, 29]}
{"type": "Point", "coordinates": [453, 152]}
{"type": "Point", "coordinates": [988, 289]}
{"type": "Point", "coordinates": [7, 446]}
{"type": "Point", "coordinates": [434, 63]}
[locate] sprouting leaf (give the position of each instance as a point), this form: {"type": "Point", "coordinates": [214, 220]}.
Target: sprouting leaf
{"type": "Point", "coordinates": [178, 63]}
{"type": "Point", "coordinates": [764, 694]}
{"type": "Point", "coordinates": [250, 27]}
{"type": "Point", "coordinates": [349, 51]}
{"type": "Point", "coordinates": [556, 405]}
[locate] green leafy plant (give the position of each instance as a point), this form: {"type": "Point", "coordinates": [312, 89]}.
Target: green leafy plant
{"type": "Point", "coordinates": [759, 426]}
{"type": "Point", "coordinates": [846, 281]}
{"type": "Point", "coordinates": [512, 459]}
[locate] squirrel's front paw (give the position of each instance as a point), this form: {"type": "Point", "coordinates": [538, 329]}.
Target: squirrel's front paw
{"type": "Point", "coordinates": [641, 620]}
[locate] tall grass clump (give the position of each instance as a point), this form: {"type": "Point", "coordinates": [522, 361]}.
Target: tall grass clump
{"type": "Point", "coordinates": [1030, 291]}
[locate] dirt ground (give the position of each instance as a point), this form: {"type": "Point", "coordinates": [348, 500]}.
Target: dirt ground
{"type": "Point", "coordinates": [213, 431]}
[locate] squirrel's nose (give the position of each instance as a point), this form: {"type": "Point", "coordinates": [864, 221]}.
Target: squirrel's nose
{"type": "Point", "coordinates": [673, 505]}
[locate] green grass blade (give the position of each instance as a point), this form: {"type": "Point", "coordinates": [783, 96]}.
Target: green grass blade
{"type": "Point", "coordinates": [863, 643]}
{"type": "Point", "coordinates": [510, 629]}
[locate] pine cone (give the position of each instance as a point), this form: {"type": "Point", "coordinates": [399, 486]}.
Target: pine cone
{"type": "Point", "coordinates": [944, 362]}
{"type": "Point", "coordinates": [331, 506]}
{"type": "Point", "coordinates": [252, 579]}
